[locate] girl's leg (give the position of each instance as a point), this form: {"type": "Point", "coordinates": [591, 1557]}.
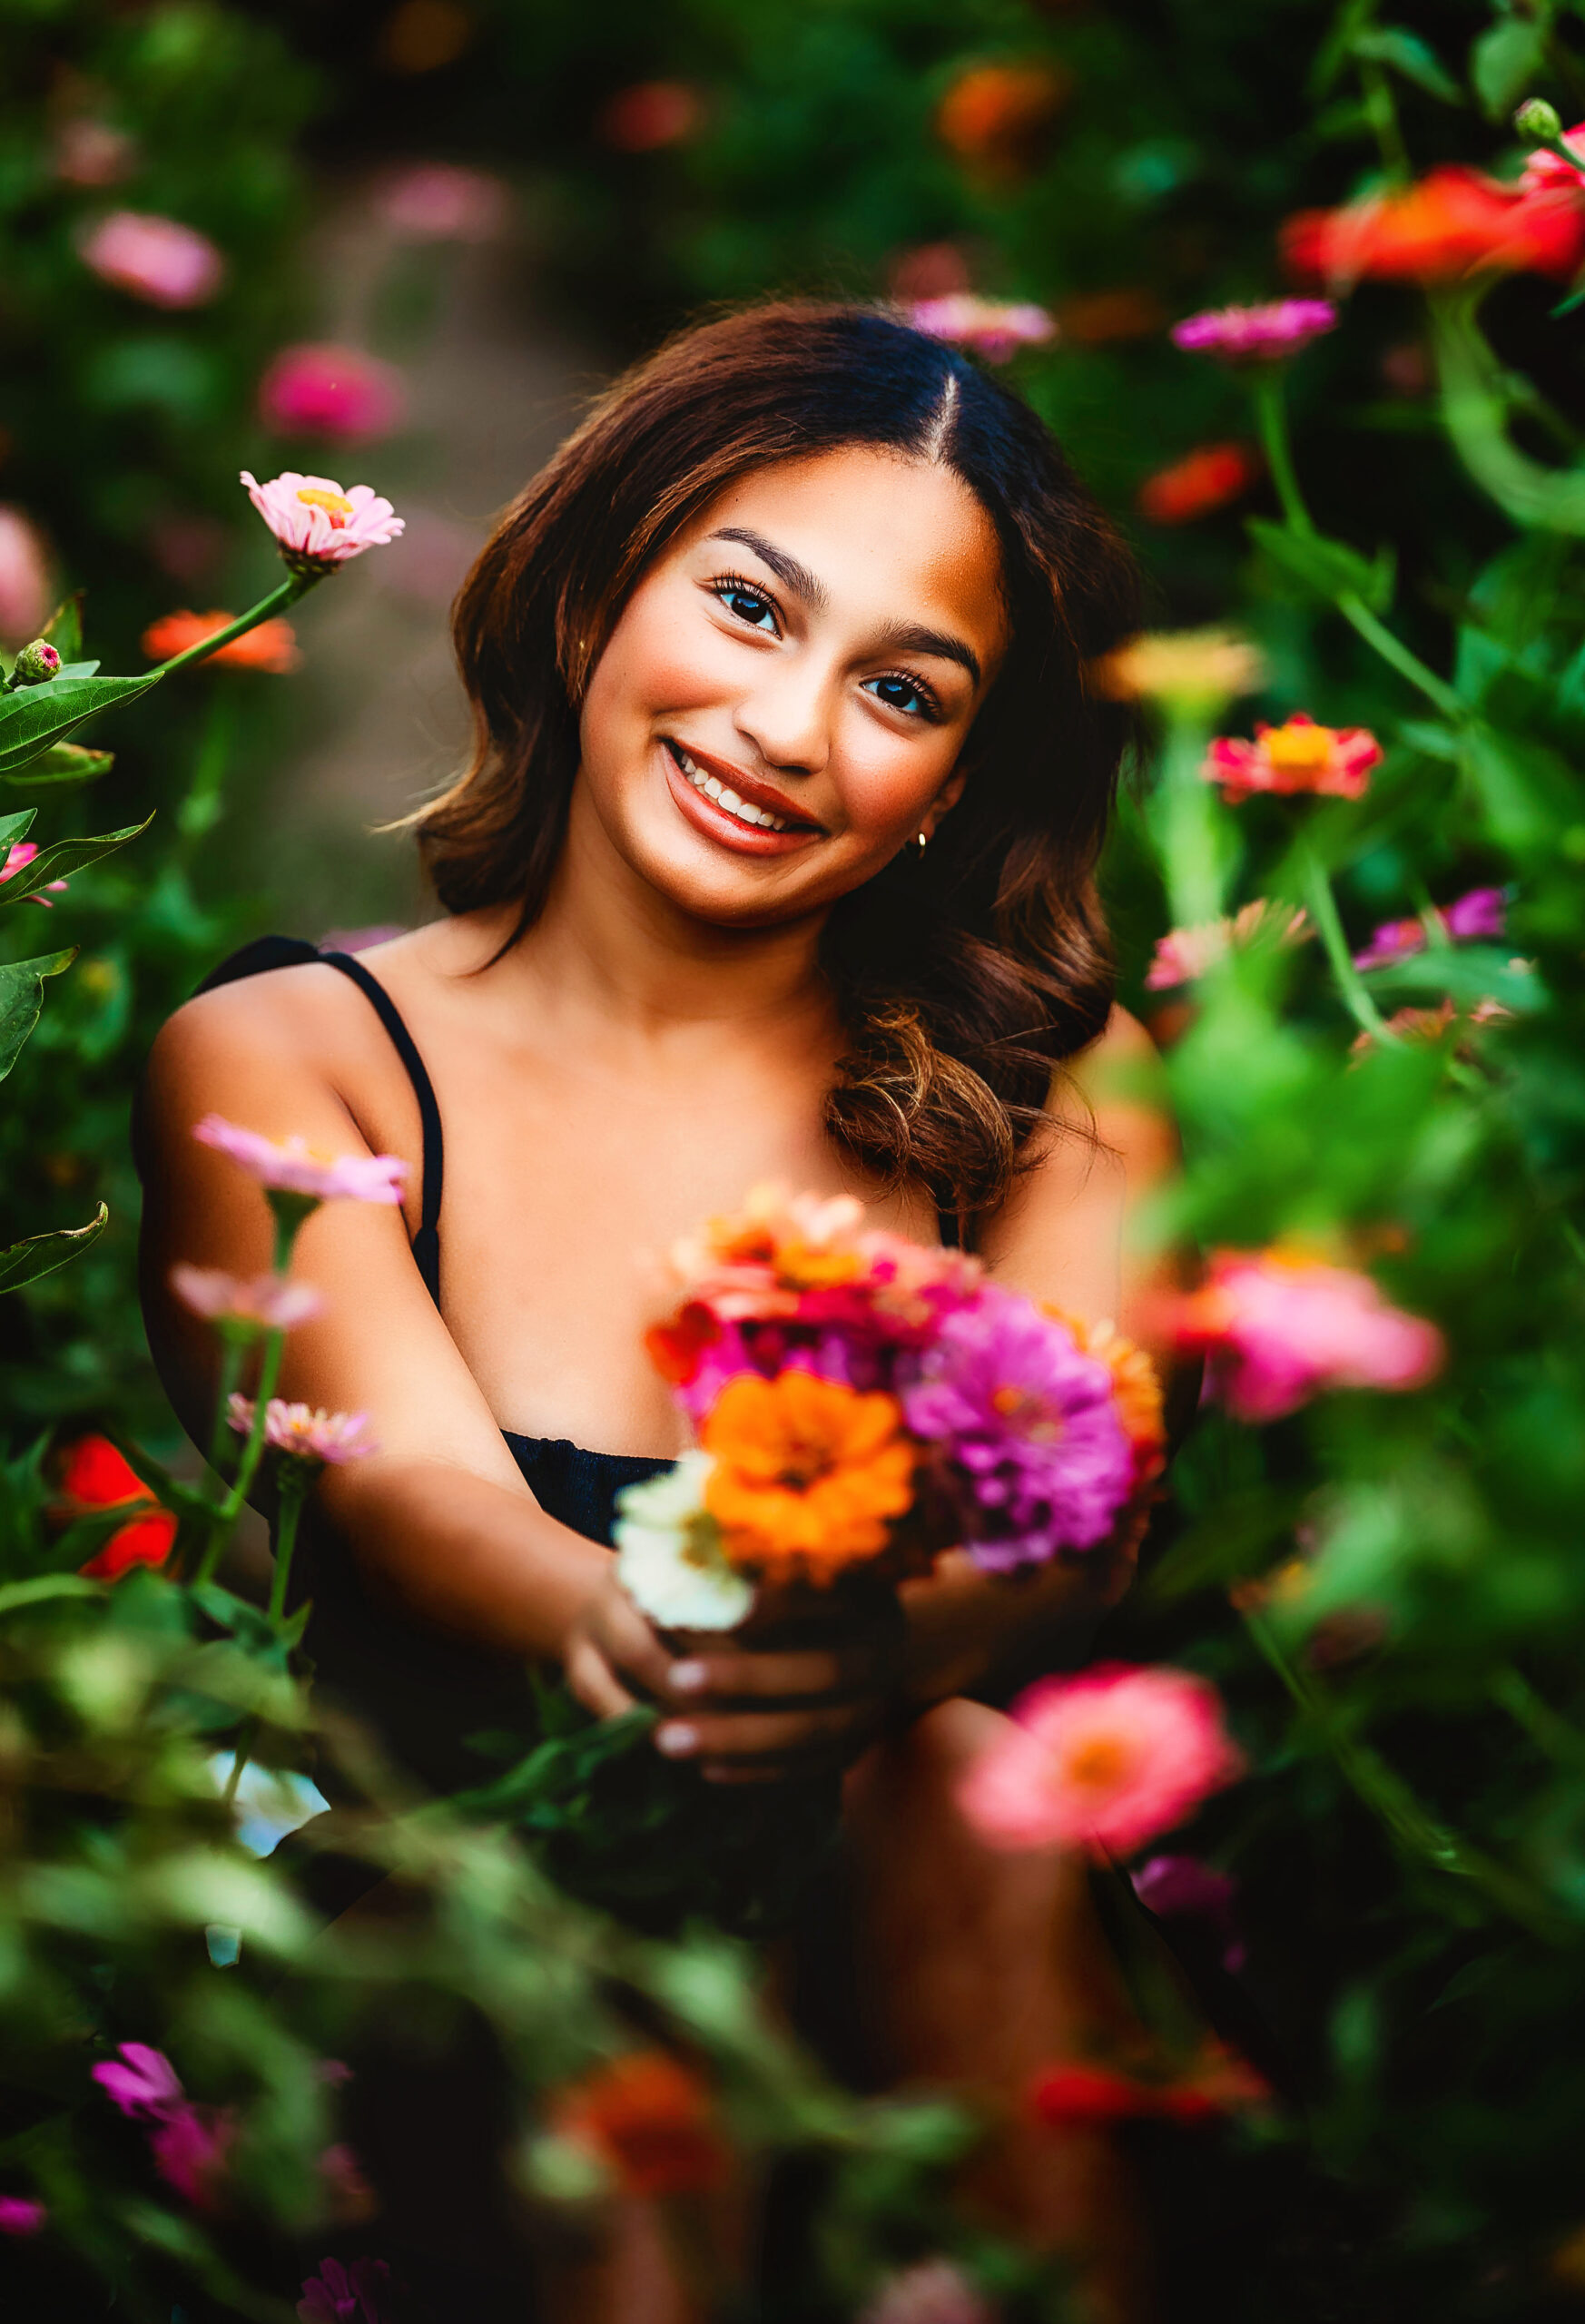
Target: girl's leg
{"type": "Point", "coordinates": [978, 1966]}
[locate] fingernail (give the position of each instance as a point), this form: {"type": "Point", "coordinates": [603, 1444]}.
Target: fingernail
{"type": "Point", "coordinates": [689, 1678]}
{"type": "Point", "coordinates": [677, 1738]}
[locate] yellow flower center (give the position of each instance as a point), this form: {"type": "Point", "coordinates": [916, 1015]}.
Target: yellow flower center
{"type": "Point", "coordinates": [1297, 746]}
{"type": "Point", "coordinates": [336, 504]}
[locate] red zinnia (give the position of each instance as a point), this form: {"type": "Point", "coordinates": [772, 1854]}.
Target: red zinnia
{"type": "Point", "coordinates": [1452, 223]}
{"type": "Point", "coordinates": [95, 1476]}
{"type": "Point", "coordinates": [1202, 480]}
{"type": "Point", "coordinates": [651, 2119]}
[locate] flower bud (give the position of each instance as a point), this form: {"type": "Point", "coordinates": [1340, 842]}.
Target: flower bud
{"type": "Point", "coordinates": [35, 666]}
{"type": "Point", "coordinates": [1537, 120]}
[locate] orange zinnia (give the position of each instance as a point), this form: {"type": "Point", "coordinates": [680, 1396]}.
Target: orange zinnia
{"type": "Point", "coordinates": [808, 1473]}
{"type": "Point", "coordinates": [272, 646]}
{"type": "Point", "coordinates": [651, 2121]}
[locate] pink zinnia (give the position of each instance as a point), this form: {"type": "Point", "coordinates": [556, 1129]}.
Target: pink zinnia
{"type": "Point", "coordinates": [1545, 171]}
{"type": "Point", "coordinates": [1278, 1329]}
{"type": "Point", "coordinates": [272, 1301]}
{"type": "Point", "coordinates": [307, 1433]}
{"type": "Point", "coordinates": [292, 1167]}
{"type": "Point", "coordinates": [1464, 922]}
{"type": "Point", "coordinates": [319, 525]}
{"type": "Point", "coordinates": [19, 856]}
{"type": "Point", "coordinates": [1189, 952]}
{"type": "Point", "coordinates": [20, 2216]}
{"type": "Point", "coordinates": [932, 2292]}
{"type": "Point", "coordinates": [334, 391]}
{"type": "Point", "coordinates": [994, 328]}
{"type": "Point", "coordinates": [340, 2295]}
{"type": "Point", "coordinates": [1255, 334]}
{"type": "Point", "coordinates": [143, 2084]}
{"type": "Point", "coordinates": [436, 202]}
{"type": "Point", "coordinates": [1335, 761]}
{"type": "Point", "coordinates": [189, 2147]}
{"type": "Point", "coordinates": [1104, 1760]}
{"type": "Point", "coordinates": [24, 576]}
{"type": "Point", "coordinates": [156, 258]}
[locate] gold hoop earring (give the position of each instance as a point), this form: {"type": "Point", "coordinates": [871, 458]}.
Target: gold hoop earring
{"type": "Point", "coordinates": [923, 841]}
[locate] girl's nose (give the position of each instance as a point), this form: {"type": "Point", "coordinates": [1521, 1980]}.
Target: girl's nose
{"type": "Point", "coordinates": [788, 716]}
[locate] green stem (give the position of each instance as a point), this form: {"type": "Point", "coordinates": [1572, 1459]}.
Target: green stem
{"type": "Point", "coordinates": [1272, 412]}
{"type": "Point", "coordinates": [295, 587]}
{"type": "Point", "coordinates": [222, 1524]}
{"type": "Point", "coordinates": [1382, 115]}
{"type": "Point", "coordinates": [293, 1479]}
{"type": "Point", "coordinates": [1323, 905]}
{"type": "Point", "coordinates": [232, 1351]}
{"type": "Point", "coordinates": [199, 811]}
{"type": "Point", "coordinates": [1398, 656]}
{"type": "Point", "coordinates": [247, 1735]}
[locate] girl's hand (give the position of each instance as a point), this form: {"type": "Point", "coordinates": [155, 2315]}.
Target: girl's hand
{"type": "Point", "coordinates": [738, 1712]}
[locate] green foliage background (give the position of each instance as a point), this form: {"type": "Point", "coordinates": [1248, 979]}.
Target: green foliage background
{"type": "Point", "coordinates": [1410, 1844]}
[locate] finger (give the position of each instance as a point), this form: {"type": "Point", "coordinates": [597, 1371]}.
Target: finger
{"type": "Point", "coordinates": [592, 1682]}
{"type": "Point", "coordinates": [813, 1678]}
{"type": "Point", "coordinates": [764, 1734]}
{"type": "Point", "coordinates": [635, 1648]}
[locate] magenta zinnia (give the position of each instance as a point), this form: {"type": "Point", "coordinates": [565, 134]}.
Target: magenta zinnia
{"type": "Point", "coordinates": [1465, 921]}
{"type": "Point", "coordinates": [1026, 1432]}
{"type": "Point", "coordinates": [1278, 1327]}
{"type": "Point", "coordinates": [1261, 334]}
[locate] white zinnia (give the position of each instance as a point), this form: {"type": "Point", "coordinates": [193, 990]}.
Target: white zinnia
{"type": "Point", "coordinates": [669, 1556]}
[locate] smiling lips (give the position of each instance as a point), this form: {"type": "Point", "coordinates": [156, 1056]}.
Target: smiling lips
{"type": "Point", "coordinates": [735, 807]}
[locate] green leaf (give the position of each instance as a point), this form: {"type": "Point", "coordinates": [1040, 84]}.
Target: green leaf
{"type": "Point", "coordinates": [62, 765]}
{"type": "Point", "coordinates": [66, 855]}
{"type": "Point", "coordinates": [41, 1255]}
{"type": "Point", "coordinates": [16, 826]}
{"type": "Point", "coordinates": [158, 1478]}
{"type": "Point", "coordinates": [1526, 790]}
{"type": "Point", "coordinates": [21, 998]}
{"type": "Point", "coordinates": [41, 1586]}
{"type": "Point", "coordinates": [64, 629]}
{"type": "Point", "coordinates": [1404, 52]}
{"type": "Point", "coordinates": [75, 670]}
{"type": "Point", "coordinates": [1503, 60]}
{"type": "Point", "coordinates": [1330, 568]}
{"type": "Point", "coordinates": [39, 715]}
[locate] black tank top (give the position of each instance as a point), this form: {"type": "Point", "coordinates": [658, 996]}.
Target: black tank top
{"type": "Point", "coordinates": [427, 1695]}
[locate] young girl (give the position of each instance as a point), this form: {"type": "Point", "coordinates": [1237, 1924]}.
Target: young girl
{"type": "Point", "coordinates": [773, 861]}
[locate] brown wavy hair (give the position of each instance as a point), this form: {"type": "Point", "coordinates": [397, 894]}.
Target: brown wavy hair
{"type": "Point", "coordinates": [964, 976]}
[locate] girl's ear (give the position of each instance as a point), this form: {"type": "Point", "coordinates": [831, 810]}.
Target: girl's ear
{"type": "Point", "coordinates": [945, 800]}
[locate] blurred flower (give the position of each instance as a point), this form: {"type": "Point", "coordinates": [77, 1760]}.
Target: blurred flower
{"type": "Point", "coordinates": [143, 2084]}
{"type": "Point", "coordinates": [1546, 172]}
{"type": "Point", "coordinates": [650, 2120]}
{"type": "Point", "coordinates": [1104, 1760]}
{"type": "Point", "coordinates": [1255, 334]}
{"type": "Point", "coordinates": [436, 202]}
{"type": "Point", "coordinates": [361, 940]}
{"type": "Point", "coordinates": [35, 665]}
{"type": "Point", "coordinates": [1432, 1024]}
{"type": "Point", "coordinates": [319, 525]}
{"type": "Point", "coordinates": [994, 328]}
{"type": "Point", "coordinates": [808, 1473]}
{"type": "Point", "coordinates": [1185, 670]}
{"type": "Point", "coordinates": [424, 36]}
{"type": "Point", "coordinates": [331, 391]}
{"type": "Point", "coordinates": [186, 545]}
{"type": "Point", "coordinates": [189, 2147]}
{"type": "Point", "coordinates": [1028, 1424]}
{"type": "Point", "coordinates": [20, 2216]}
{"type": "Point", "coordinates": [93, 1475]}
{"type": "Point", "coordinates": [929, 270]}
{"type": "Point", "coordinates": [18, 856]}
{"type": "Point", "coordinates": [156, 258]}
{"type": "Point", "coordinates": [1219, 2082]}
{"type": "Point", "coordinates": [650, 114]}
{"type": "Point", "coordinates": [340, 2295]}
{"type": "Point", "coordinates": [271, 646]}
{"type": "Point", "coordinates": [1203, 480]}
{"type": "Point", "coordinates": [1188, 952]}
{"type": "Point", "coordinates": [305, 1431]}
{"type": "Point", "coordinates": [1135, 1389]}
{"type": "Point", "coordinates": [290, 1167]}
{"type": "Point", "coordinates": [669, 1557]}
{"type": "Point", "coordinates": [273, 1303]}
{"type": "Point", "coordinates": [92, 153]}
{"type": "Point", "coordinates": [1452, 223]}
{"type": "Point", "coordinates": [1466, 920]}
{"type": "Point", "coordinates": [1096, 318]}
{"type": "Point", "coordinates": [1279, 1327]}
{"type": "Point", "coordinates": [1180, 1887]}
{"type": "Point", "coordinates": [24, 576]}
{"type": "Point", "coordinates": [1002, 116]}
{"type": "Point", "coordinates": [1407, 367]}
{"type": "Point", "coordinates": [1297, 756]}
{"type": "Point", "coordinates": [932, 2292]}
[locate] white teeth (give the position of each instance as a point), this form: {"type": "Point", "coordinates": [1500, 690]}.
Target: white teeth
{"type": "Point", "coordinates": [728, 800]}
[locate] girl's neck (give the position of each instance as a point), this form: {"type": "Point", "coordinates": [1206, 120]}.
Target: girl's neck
{"type": "Point", "coordinates": [610, 947]}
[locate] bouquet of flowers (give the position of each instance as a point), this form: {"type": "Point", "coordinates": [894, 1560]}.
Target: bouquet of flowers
{"type": "Point", "coordinates": [863, 1405]}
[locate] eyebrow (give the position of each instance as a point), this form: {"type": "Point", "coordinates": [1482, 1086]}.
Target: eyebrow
{"type": "Point", "coordinates": [900, 637]}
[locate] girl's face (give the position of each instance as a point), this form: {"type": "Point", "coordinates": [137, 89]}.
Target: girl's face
{"type": "Point", "coordinates": [782, 703]}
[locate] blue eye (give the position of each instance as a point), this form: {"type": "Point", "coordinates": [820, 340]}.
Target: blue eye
{"type": "Point", "coordinates": [747, 604]}
{"type": "Point", "coordinates": [903, 693]}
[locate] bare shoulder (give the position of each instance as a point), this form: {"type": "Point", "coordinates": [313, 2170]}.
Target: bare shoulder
{"type": "Point", "coordinates": [1121, 1067]}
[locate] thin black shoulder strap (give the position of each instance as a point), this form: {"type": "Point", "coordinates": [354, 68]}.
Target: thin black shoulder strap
{"type": "Point", "coordinates": [427, 1241]}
